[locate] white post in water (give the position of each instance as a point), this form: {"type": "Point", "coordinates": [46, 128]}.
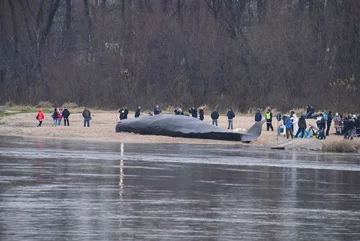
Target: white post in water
{"type": "Point", "coordinates": [121, 182]}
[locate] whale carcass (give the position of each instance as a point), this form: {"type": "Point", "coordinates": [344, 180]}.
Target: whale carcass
{"type": "Point", "coordinates": [185, 126]}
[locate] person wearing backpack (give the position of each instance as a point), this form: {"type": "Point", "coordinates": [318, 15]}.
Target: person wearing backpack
{"type": "Point", "coordinates": [230, 116]}
{"type": "Point", "coordinates": [87, 117]}
{"type": "Point", "coordinates": [40, 117]}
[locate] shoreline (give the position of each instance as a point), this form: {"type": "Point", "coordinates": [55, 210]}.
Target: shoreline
{"type": "Point", "coordinates": [102, 128]}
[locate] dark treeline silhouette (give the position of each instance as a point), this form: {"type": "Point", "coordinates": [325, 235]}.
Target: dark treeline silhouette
{"type": "Point", "coordinates": [239, 53]}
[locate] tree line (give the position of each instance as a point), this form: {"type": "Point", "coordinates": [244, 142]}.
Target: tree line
{"type": "Point", "coordinates": [226, 53]}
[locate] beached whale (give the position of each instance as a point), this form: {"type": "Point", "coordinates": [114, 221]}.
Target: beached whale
{"type": "Point", "coordinates": [185, 126]}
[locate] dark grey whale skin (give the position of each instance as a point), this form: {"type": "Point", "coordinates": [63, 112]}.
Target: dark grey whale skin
{"type": "Point", "coordinates": [184, 126]}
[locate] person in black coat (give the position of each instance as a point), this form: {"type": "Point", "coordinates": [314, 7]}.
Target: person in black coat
{"type": "Point", "coordinates": [178, 111]}
{"type": "Point", "coordinates": [215, 117]}
{"type": "Point", "coordinates": [123, 113]}
{"type": "Point", "coordinates": [65, 115]}
{"type": "Point", "coordinates": [193, 112]}
{"type": "Point", "coordinates": [302, 126]}
{"type": "Point", "coordinates": [137, 112]}
{"type": "Point", "coordinates": [230, 116]}
{"type": "Point", "coordinates": [328, 122]}
{"type": "Point", "coordinates": [201, 113]}
{"type": "Point", "coordinates": [54, 116]}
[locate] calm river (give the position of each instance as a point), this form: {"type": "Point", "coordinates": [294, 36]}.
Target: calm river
{"type": "Point", "coordinates": [77, 190]}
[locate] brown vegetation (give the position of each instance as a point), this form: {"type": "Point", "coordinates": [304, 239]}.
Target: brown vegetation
{"type": "Point", "coordinates": [342, 146]}
{"type": "Point", "coordinates": [238, 53]}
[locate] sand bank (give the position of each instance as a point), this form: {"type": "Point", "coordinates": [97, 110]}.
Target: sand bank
{"type": "Point", "coordinates": [102, 128]}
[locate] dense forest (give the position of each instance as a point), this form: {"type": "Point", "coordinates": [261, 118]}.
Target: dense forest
{"type": "Point", "coordinates": [231, 53]}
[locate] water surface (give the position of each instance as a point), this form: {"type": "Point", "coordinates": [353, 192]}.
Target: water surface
{"type": "Point", "coordinates": [71, 190]}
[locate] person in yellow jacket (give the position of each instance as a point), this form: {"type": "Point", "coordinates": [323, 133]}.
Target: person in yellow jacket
{"type": "Point", "coordinates": [268, 116]}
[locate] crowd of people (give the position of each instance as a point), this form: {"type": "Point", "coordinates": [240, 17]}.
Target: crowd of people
{"type": "Point", "coordinates": [346, 125]}
{"type": "Point", "coordinates": [63, 115]}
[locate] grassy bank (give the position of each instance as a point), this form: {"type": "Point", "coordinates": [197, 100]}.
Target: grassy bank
{"type": "Point", "coordinates": [340, 146]}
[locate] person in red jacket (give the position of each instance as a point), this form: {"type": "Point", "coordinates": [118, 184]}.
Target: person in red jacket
{"type": "Point", "coordinates": [40, 117]}
{"type": "Point", "coordinates": [59, 115]}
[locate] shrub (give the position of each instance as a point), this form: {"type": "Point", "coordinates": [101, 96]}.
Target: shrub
{"type": "Point", "coordinates": [70, 105]}
{"type": "Point", "coordinates": [343, 146]}
{"type": "Point", "coordinates": [9, 104]}
{"type": "Point", "coordinates": [44, 104]}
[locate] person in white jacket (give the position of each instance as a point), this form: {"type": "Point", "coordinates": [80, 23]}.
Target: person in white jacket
{"type": "Point", "coordinates": [294, 121]}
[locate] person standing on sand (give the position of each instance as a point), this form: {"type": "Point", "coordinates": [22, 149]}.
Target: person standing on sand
{"type": "Point", "coordinates": [328, 118]}
{"type": "Point", "coordinates": [337, 123]}
{"type": "Point", "coordinates": [201, 113]}
{"type": "Point", "coordinates": [137, 112]}
{"type": "Point", "coordinates": [59, 116]}
{"type": "Point", "coordinates": [66, 115]}
{"type": "Point", "coordinates": [40, 117]}
{"type": "Point", "coordinates": [123, 113]}
{"type": "Point", "coordinates": [157, 110]}
{"type": "Point", "coordinates": [87, 117]}
{"type": "Point", "coordinates": [54, 116]}
{"type": "Point", "coordinates": [193, 112]}
{"type": "Point", "coordinates": [294, 121]}
{"type": "Point", "coordinates": [258, 116]}
{"type": "Point", "coordinates": [302, 127]}
{"type": "Point", "coordinates": [230, 116]}
{"type": "Point", "coordinates": [289, 129]}
{"type": "Point", "coordinates": [321, 125]}
{"type": "Point", "coordinates": [269, 125]}
{"type": "Point", "coordinates": [215, 117]}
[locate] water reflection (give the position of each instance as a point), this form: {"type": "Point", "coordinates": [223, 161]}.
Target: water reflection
{"type": "Point", "coordinates": [121, 183]}
{"type": "Point", "coordinates": [70, 191]}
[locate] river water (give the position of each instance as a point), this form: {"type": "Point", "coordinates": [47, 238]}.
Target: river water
{"type": "Point", "coordinates": [78, 190]}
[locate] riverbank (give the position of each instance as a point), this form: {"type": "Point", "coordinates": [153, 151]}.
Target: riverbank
{"type": "Point", "coordinates": [102, 128]}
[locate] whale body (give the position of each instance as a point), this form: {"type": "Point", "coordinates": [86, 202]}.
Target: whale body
{"type": "Point", "coordinates": [185, 126]}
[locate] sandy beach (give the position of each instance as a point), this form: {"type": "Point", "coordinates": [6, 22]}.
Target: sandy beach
{"type": "Point", "coordinates": [102, 128]}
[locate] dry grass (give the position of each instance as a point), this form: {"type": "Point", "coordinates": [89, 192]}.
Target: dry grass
{"type": "Point", "coordinates": [342, 146]}
{"type": "Point", "coordinates": [44, 104]}
{"type": "Point", "coordinates": [71, 105]}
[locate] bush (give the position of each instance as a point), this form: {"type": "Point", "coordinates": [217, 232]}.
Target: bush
{"type": "Point", "coordinates": [9, 104]}
{"type": "Point", "coordinates": [343, 146]}
{"type": "Point", "coordinates": [44, 104]}
{"type": "Point", "coordinates": [70, 105]}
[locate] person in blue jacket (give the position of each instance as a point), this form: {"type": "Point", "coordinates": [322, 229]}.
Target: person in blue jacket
{"type": "Point", "coordinates": [328, 118]}
{"type": "Point", "coordinates": [214, 116]}
{"type": "Point", "coordinates": [230, 116]}
{"type": "Point", "coordinates": [288, 126]}
{"type": "Point", "coordinates": [157, 110]}
{"type": "Point", "coordinates": [258, 116]}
